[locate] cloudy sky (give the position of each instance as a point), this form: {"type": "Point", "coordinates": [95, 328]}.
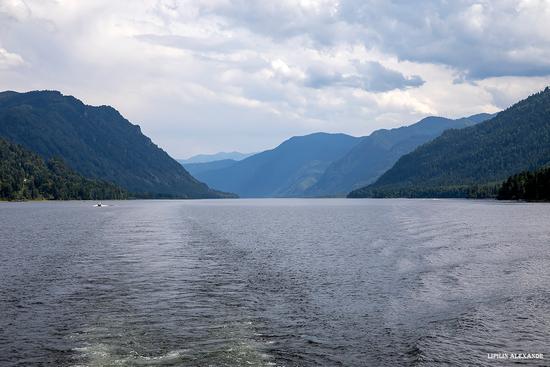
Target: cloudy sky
{"type": "Point", "coordinates": [201, 76]}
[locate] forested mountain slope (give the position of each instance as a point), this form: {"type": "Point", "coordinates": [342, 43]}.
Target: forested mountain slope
{"type": "Point", "coordinates": [376, 153]}
{"type": "Point", "coordinates": [25, 175]}
{"type": "Point", "coordinates": [97, 142]}
{"type": "Point", "coordinates": [528, 186]}
{"type": "Point", "coordinates": [515, 140]}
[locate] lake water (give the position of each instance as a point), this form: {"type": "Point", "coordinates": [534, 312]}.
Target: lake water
{"type": "Point", "coordinates": [278, 282]}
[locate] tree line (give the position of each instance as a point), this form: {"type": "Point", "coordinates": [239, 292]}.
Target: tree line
{"type": "Point", "coordinates": [527, 185]}
{"type": "Point", "coordinates": [26, 176]}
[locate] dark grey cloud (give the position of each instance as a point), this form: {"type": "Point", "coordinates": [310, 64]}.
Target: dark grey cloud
{"type": "Point", "coordinates": [370, 76]}
{"type": "Point", "coordinates": [480, 39]}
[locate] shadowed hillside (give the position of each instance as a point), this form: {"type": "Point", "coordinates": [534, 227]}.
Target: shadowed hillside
{"type": "Point", "coordinates": [377, 152]}
{"type": "Point", "coordinates": [285, 171]}
{"type": "Point", "coordinates": [517, 139]}
{"type": "Point", "coordinates": [25, 175]}
{"type": "Point", "coordinates": [97, 142]}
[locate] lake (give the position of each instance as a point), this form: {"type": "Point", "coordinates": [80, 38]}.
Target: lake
{"type": "Point", "coordinates": [274, 282]}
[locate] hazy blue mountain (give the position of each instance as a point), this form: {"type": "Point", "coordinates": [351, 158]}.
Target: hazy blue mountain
{"type": "Point", "coordinates": [515, 140]}
{"type": "Point", "coordinates": [285, 171]}
{"type": "Point", "coordinates": [377, 152]}
{"type": "Point", "coordinates": [96, 142]}
{"type": "Point", "coordinates": [205, 158]}
{"type": "Point", "coordinates": [198, 168]}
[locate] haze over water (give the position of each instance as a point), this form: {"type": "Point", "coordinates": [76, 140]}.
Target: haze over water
{"type": "Point", "coordinates": [273, 282]}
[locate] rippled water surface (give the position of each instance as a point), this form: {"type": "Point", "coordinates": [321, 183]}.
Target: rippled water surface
{"type": "Point", "coordinates": [273, 283]}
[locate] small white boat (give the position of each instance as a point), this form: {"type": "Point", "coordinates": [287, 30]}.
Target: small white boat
{"type": "Point", "coordinates": [99, 205]}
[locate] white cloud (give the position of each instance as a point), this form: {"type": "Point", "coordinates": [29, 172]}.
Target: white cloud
{"type": "Point", "coordinates": [9, 60]}
{"type": "Point", "coordinates": [15, 9]}
{"type": "Point", "coordinates": [212, 75]}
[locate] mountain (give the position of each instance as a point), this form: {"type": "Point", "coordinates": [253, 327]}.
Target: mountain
{"type": "Point", "coordinates": [515, 140]}
{"type": "Point", "coordinates": [377, 152]}
{"type": "Point", "coordinates": [199, 168]}
{"type": "Point", "coordinates": [285, 171]}
{"type": "Point", "coordinates": [25, 175]}
{"type": "Point", "coordinates": [205, 158]}
{"type": "Point", "coordinates": [96, 142]}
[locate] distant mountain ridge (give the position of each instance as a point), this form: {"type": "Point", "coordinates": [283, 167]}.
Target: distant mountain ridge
{"type": "Point", "coordinates": [515, 140]}
{"type": "Point", "coordinates": [97, 142]}
{"type": "Point", "coordinates": [205, 158]}
{"type": "Point", "coordinates": [285, 171]}
{"type": "Point", "coordinates": [376, 153]}
{"type": "Point", "coordinates": [359, 161]}
{"type": "Point", "coordinates": [202, 167]}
